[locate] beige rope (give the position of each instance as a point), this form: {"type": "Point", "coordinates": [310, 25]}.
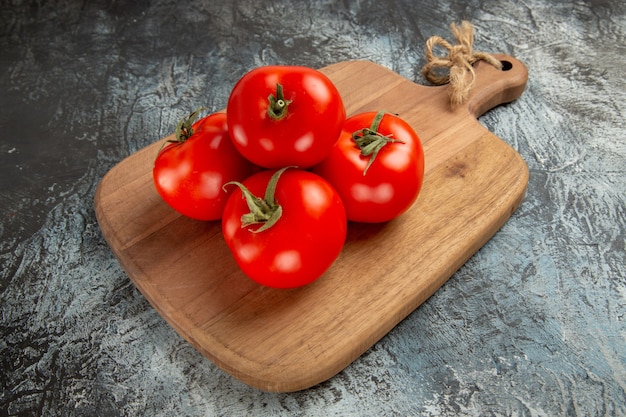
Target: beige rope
{"type": "Point", "coordinates": [460, 59]}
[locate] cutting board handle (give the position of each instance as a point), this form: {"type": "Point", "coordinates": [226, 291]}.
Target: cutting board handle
{"type": "Point", "coordinates": [494, 87]}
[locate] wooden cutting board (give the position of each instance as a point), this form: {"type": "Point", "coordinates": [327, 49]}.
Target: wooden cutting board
{"type": "Point", "coordinates": [288, 340]}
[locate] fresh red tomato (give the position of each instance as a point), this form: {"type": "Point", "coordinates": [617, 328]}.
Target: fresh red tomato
{"type": "Point", "coordinates": [377, 167]}
{"type": "Point", "coordinates": [282, 116]}
{"type": "Point", "coordinates": [189, 172]}
{"type": "Point", "coordinates": [289, 235]}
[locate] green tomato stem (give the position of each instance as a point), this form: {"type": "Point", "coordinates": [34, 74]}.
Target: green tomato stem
{"type": "Point", "coordinates": [278, 106]}
{"type": "Point", "coordinates": [265, 211]}
{"type": "Point", "coordinates": [184, 128]}
{"type": "Point", "coordinates": [370, 141]}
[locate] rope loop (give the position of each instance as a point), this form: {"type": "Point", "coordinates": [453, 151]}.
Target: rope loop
{"type": "Point", "coordinates": [458, 62]}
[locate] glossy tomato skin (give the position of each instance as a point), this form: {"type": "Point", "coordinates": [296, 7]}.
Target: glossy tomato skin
{"type": "Point", "coordinates": [304, 136]}
{"type": "Point", "coordinates": [189, 175]}
{"type": "Point", "coordinates": [392, 182]}
{"type": "Point", "coordinates": [302, 244]}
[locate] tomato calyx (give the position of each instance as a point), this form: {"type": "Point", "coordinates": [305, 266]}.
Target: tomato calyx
{"type": "Point", "coordinates": [370, 141]}
{"type": "Point", "coordinates": [265, 211]}
{"type": "Point", "coordinates": [184, 128]}
{"type": "Point", "coordinates": [278, 105]}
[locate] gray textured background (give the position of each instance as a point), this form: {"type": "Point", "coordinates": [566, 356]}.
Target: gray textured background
{"type": "Point", "coordinates": [533, 325]}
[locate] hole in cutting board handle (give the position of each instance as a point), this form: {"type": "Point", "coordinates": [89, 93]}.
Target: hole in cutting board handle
{"type": "Point", "coordinates": [506, 65]}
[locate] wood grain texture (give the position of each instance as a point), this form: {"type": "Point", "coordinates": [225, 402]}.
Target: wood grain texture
{"type": "Point", "coordinates": [279, 340]}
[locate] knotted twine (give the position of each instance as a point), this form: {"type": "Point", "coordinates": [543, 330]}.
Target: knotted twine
{"type": "Point", "coordinates": [460, 59]}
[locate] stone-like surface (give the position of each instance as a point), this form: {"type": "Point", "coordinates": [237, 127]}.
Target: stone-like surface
{"type": "Point", "coordinates": [533, 325]}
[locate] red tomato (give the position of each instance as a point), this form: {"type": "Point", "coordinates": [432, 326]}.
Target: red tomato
{"type": "Point", "coordinates": [190, 171]}
{"type": "Point", "coordinates": [307, 234]}
{"type": "Point", "coordinates": [379, 177]}
{"type": "Point", "coordinates": [282, 116]}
